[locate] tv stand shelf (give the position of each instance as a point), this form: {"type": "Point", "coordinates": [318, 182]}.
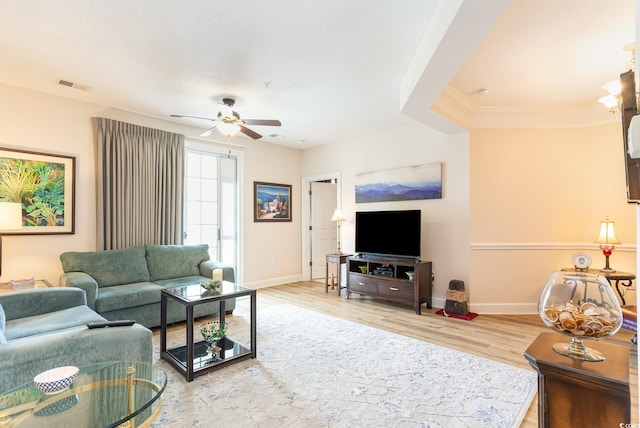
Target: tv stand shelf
{"type": "Point", "coordinates": [386, 278]}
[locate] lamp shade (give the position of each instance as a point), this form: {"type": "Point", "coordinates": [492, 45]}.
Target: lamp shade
{"type": "Point", "coordinates": [337, 215]}
{"type": "Point", "coordinates": [10, 216]}
{"type": "Point", "coordinates": [607, 235]}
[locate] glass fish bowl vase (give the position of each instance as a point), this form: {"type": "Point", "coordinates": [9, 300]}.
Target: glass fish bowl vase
{"type": "Point", "coordinates": [581, 306]}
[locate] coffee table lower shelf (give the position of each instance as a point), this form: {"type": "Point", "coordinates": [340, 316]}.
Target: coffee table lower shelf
{"type": "Point", "coordinates": [232, 351]}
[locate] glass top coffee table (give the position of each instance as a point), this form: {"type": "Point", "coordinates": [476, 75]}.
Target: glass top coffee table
{"type": "Point", "coordinates": [111, 394]}
{"type": "Point", "coordinates": [193, 359]}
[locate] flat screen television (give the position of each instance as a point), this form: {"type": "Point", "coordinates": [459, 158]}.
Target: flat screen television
{"type": "Point", "coordinates": [388, 233]}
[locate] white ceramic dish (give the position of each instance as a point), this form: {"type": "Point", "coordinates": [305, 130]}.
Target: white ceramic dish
{"type": "Point", "coordinates": [56, 380]}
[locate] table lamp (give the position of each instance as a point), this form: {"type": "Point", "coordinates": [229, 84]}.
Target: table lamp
{"type": "Point", "coordinates": [339, 217]}
{"type": "Point", "coordinates": [607, 239]}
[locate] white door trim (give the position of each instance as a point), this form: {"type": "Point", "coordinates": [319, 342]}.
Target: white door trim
{"type": "Point", "coordinates": [306, 215]}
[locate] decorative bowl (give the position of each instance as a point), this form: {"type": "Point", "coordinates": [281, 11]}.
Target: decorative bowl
{"type": "Point", "coordinates": [56, 380]}
{"type": "Point", "coordinates": [409, 275]}
{"type": "Point", "coordinates": [363, 269]}
{"type": "Point", "coordinates": [213, 330]}
{"type": "Point", "coordinates": [215, 285]}
{"type": "Point", "coordinates": [581, 306]}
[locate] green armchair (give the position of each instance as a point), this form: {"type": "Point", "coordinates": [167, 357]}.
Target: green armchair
{"type": "Point", "coordinates": [45, 328]}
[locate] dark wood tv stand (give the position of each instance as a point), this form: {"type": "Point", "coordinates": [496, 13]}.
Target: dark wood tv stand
{"type": "Point", "coordinates": [386, 278]}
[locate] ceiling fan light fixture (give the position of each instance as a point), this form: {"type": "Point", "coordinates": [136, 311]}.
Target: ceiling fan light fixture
{"type": "Point", "coordinates": [609, 101]}
{"type": "Point", "coordinates": [228, 129]}
{"type": "Point", "coordinates": [612, 87]}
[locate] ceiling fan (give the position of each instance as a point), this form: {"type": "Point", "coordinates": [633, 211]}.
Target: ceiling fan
{"type": "Point", "coordinates": [228, 122]}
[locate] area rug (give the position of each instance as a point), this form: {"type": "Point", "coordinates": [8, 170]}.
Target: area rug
{"type": "Point", "coordinates": [315, 370]}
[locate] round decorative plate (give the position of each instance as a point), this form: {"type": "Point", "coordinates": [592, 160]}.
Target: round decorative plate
{"type": "Point", "coordinates": [581, 261]}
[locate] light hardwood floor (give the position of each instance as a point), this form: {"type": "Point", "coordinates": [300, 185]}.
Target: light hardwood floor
{"type": "Point", "coordinates": [502, 338]}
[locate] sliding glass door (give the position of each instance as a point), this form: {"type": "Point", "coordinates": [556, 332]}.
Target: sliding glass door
{"type": "Point", "coordinates": [211, 202]}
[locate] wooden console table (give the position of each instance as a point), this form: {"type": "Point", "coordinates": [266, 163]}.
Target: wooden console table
{"type": "Point", "coordinates": [404, 280]}
{"type": "Point", "coordinates": [576, 393]}
{"type": "Point", "coordinates": [339, 260]}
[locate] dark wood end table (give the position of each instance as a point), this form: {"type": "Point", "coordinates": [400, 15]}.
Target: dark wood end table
{"type": "Point", "coordinates": [578, 393]}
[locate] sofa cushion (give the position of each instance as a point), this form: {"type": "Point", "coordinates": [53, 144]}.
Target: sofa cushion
{"type": "Point", "coordinates": [111, 267]}
{"type": "Point", "coordinates": [127, 296]}
{"type": "Point", "coordinates": [50, 322]}
{"type": "Point", "coordinates": [3, 321]}
{"type": "Point", "coordinates": [175, 261]}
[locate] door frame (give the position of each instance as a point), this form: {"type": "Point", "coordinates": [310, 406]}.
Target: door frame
{"type": "Point", "coordinates": [305, 202]}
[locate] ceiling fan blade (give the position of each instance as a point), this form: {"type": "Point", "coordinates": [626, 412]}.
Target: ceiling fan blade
{"type": "Point", "coordinates": [192, 117]}
{"type": "Point", "coordinates": [208, 131]}
{"type": "Point", "coordinates": [263, 122]}
{"type": "Point", "coordinates": [249, 132]}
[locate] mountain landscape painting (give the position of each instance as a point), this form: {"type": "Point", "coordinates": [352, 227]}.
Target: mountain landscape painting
{"type": "Point", "coordinates": [400, 184]}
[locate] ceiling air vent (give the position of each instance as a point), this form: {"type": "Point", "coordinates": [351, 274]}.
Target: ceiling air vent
{"type": "Point", "coordinates": [73, 85]}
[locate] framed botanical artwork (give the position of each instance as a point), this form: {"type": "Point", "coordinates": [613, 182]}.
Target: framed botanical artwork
{"type": "Point", "coordinates": [272, 202]}
{"type": "Point", "coordinates": [44, 185]}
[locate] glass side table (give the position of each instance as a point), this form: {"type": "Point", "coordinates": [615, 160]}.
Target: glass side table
{"type": "Point", "coordinates": [111, 394]}
{"type": "Point", "coordinates": [20, 285]}
{"type": "Point", "coordinates": [191, 359]}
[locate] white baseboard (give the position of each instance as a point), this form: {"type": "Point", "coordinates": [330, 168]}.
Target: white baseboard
{"type": "Point", "coordinates": [496, 308]}
{"type": "Point", "coordinates": [482, 308]}
{"type": "Point", "coordinates": [273, 281]}
{"type": "Point", "coordinates": [505, 308]}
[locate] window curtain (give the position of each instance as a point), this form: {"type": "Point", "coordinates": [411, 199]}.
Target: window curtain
{"type": "Point", "coordinates": [140, 185]}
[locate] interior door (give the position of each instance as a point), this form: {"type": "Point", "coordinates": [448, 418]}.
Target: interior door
{"type": "Point", "coordinates": [323, 233]}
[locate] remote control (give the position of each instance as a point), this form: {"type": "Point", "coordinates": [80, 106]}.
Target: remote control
{"type": "Point", "coordinates": [101, 324]}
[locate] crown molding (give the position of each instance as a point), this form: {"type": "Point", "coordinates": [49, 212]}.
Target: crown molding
{"type": "Point", "coordinates": [461, 110]}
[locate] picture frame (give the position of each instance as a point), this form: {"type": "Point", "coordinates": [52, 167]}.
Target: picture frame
{"type": "Point", "coordinates": [409, 183]}
{"type": "Point", "coordinates": [272, 202]}
{"type": "Point", "coordinates": [44, 184]}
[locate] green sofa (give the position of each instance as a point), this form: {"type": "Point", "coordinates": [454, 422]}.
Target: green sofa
{"type": "Point", "coordinates": [126, 283]}
{"type": "Point", "coordinates": [44, 328]}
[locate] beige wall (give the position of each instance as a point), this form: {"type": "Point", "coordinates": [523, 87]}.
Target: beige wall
{"type": "Point", "coordinates": [39, 122]}
{"type": "Point", "coordinates": [445, 232]}
{"type": "Point", "coordinates": [517, 202]}
{"type": "Point", "coordinates": [537, 197]}
{"type": "Point", "coordinates": [271, 250]}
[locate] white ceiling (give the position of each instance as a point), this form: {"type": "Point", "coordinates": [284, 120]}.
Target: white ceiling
{"type": "Point", "coordinates": [328, 70]}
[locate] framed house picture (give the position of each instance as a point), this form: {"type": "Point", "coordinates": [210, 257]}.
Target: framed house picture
{"type": "Point", "coordinates": [272, 202]}
{"type": "Point", "coordinates": [44, 185]}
